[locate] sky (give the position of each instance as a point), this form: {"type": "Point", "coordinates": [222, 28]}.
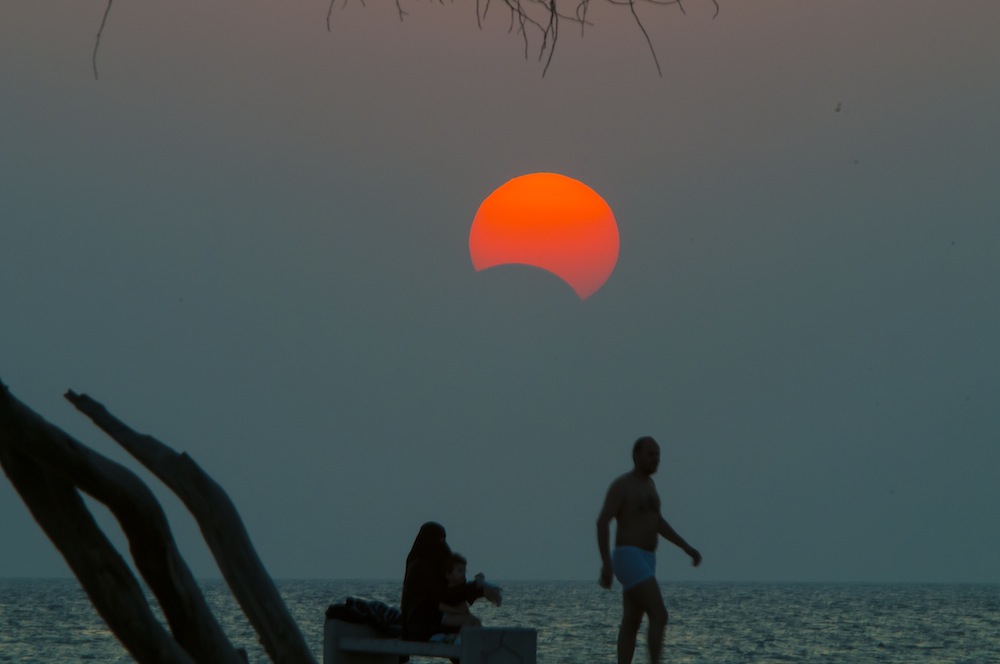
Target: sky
{"type": "Point", "coordinates": [249, 239]}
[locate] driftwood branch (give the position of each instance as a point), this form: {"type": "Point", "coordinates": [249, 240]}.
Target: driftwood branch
{"type": "Point", "coordinates": [114, 592]}
{"type": "Point", "coordinates": [35, 453]}
{"type": "Point", "coordinates": [221, 527]}
{"type": "Point", "coordinates": [49, 469]}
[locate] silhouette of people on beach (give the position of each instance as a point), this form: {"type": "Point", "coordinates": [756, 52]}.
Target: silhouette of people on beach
{"type": "Point", "coordinates": [632, 501]}
{"type": "Point", "coordinates": [426, 588]}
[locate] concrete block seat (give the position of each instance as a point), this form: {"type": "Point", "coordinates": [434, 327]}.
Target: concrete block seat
{"type": "Point", "coordinates": [354, 643]}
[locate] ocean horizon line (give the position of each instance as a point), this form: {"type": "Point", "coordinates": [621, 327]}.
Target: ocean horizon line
{"type": "Point", "coordinates": [679, 582]}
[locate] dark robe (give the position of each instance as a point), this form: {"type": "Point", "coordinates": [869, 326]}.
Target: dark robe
{"type": "Point", "coordinates": [425, 586]}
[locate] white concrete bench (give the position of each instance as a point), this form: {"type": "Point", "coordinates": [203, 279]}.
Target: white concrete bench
{"type": "Point", "coordinates": [351, 643]}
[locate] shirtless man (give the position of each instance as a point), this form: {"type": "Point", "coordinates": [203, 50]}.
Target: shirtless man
{"type": "Point", "coordinates": [633, 502]}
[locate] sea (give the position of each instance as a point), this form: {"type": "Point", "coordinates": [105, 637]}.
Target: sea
{"type": "Point", "coordinates": [51, 620]}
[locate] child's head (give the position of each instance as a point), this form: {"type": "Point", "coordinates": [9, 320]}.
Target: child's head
{"type": "Point", "coordinates": [454, 569]}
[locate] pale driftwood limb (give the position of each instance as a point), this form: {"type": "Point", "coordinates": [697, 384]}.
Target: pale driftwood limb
{"type": "Point", "coordinates": [221, 527]}
{"type": "Point", "coordinates": [104, 576]}
{"type": "Point", "coordinates": [47, 466]}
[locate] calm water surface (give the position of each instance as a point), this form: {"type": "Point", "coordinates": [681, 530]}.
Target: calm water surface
{"type": "Point", "coordinates": [52, 621]}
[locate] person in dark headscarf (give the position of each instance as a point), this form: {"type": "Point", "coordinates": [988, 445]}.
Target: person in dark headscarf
{"type": "Point", "coordinates": [425, 587]}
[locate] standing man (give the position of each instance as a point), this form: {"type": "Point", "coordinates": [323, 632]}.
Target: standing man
{"type": "Point", "coordinates": [633, 502]}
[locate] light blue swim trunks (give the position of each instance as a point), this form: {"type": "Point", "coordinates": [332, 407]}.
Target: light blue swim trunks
{"type": "Point", "coordinates": [632, 565]}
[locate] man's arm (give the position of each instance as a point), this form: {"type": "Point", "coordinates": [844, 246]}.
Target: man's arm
{"type": "Point", "coordinates": [612, 503]}
{"type": "Point", "coordinates": [668, 533]}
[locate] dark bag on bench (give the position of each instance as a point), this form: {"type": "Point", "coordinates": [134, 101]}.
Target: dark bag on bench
{"type": "Point", "coordinates": [386, 619]}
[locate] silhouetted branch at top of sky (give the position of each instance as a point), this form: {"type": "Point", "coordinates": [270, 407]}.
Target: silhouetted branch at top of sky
{"type": "Point", "coordinates": [543, 16]}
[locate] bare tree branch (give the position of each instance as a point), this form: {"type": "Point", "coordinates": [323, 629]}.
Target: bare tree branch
{"type": "Point", "coordinates": [36, 454]}
{"type": "Point", "coordinates": [645, 34]}
{"type": "Point", "coordinates": [104, 576]}
{"type": "Point", "coordinates": [221, 527]}
{"type": "Point", "coordinates": [97, 40]}
{"type": "Point", "coordinates": [521, 17]}
{"type": "Point", "coordinates": [544, 16]}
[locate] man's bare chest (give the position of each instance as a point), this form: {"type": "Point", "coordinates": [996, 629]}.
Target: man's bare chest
{"type": "Point", "coordinates": [642, 501]}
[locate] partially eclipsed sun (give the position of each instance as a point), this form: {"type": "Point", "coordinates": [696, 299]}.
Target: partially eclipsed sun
{"type": "Point", "coordinates": [552, 222]}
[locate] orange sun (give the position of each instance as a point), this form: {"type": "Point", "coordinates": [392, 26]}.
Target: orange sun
{"type": "Point", "coordinates": [552, 222]}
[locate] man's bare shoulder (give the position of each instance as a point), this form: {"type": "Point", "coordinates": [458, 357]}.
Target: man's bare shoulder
{"type": "Point", "coordinates": [632, 478]}
{"type": "Point", "coordinates": [624, 477]}
{"type": "Point", "coordinates": [618, 491]}
{"type": "Point", "coordinates": [628, 483]}
{"type": "Point", "coordinates": [622, 481]}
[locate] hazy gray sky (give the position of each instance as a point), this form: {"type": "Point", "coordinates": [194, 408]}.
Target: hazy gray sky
{"type": "Point", "coordinates": [249, 239]}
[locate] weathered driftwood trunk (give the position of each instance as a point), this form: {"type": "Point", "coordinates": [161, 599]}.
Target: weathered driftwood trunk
{"type": "Point", "coordinates": [49, 469]}
{"type": "Point", "coordinates": [222, 528]}
{"type": "Point", "coordinates": [105, 577]}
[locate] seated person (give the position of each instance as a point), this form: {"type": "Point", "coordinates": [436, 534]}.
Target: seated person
{"type": "Point", "coordinates": [458, 614]}
{"type": "Point", "coordinates": [425, 587]}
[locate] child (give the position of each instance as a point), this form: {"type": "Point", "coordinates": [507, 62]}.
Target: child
{"type": "Point", "coordinates": [458, 615]}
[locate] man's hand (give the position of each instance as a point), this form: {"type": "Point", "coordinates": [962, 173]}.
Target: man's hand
{"type": "Point", "coordinates": [695, 555]}
{"type": "Point", "coordinates": [606, 577]}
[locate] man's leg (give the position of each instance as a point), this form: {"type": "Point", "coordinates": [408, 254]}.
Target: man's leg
{"type": "Point", "coordinates": [645, 597]}
{"type": "Point", "coordinates": [631, 619]}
